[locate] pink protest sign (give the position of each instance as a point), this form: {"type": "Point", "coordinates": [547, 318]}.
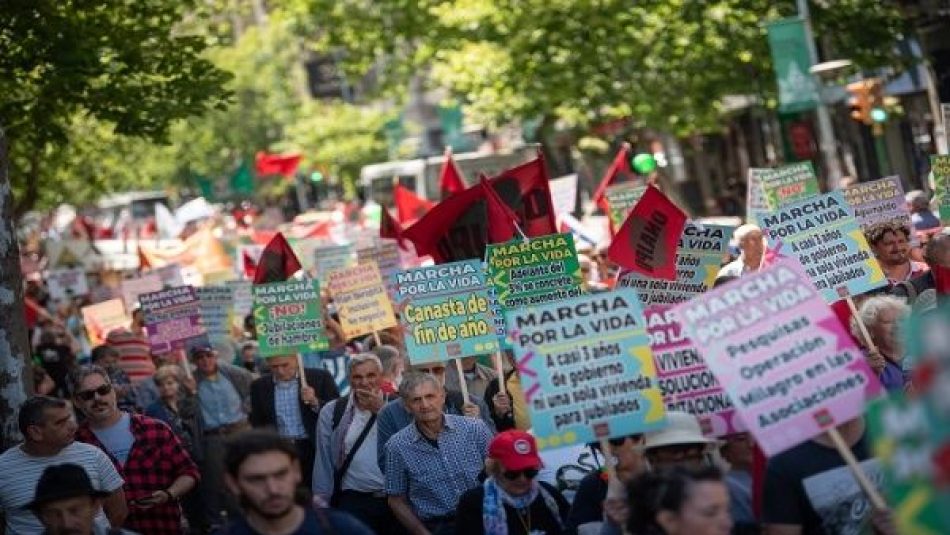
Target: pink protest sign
{"type": "Point", "coordinates": [686, 383]}
{"type": "Point", "coordinates": [787, 363]}
{"type": "Point", "coordinates": [173, 320]}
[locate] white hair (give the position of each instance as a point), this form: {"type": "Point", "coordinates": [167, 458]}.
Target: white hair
{"type": "Point", "coordinates": [362, 358]}
{"type": "Point", "coordinates": [871, 309]}
{"type": "Point", "coordinates": [745, 230]}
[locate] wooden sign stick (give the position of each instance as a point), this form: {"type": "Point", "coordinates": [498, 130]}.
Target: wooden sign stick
{"type": "Point", "coordinates": [864, 330]}
{"type": "Point", "coordinates": [500, 369]}
{"type": "Point", "coordinates": [303, 377]}
{"type": "Point", "coordinates": [869, 489]}
{"type": "Point", "coordinates": [462, 384]}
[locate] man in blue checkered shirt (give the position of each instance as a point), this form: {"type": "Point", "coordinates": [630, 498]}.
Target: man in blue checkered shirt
{"type": "Point", "coordinates": [432, 462]}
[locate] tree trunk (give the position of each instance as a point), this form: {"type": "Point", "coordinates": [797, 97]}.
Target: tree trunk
{"type": "Point", "coordinates": [31, 193]}
{"type": "Point", "coordinates": [14, 342]}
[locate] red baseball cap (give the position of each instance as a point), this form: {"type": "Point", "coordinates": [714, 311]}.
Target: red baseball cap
{"type": "Point", "coordinates": [515, 450]}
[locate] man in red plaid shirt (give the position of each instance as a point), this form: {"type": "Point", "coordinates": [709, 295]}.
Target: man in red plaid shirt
{"type": "Point", "coordinates": [155, 466]}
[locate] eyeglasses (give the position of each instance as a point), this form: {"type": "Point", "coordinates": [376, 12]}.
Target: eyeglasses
{"type": "Point", "coordinates": [678, 452]}
{"type": "Point", "coordinates": [438, 370]}
{"type": "Point", "coordinates": [528, 473]}
{"type": "Point", "coordinates": [89, 395]}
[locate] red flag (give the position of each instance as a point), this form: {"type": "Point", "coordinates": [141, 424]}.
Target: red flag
{"type": "Point", "coordinates": [941, 279]}
{"type": "Point", "coordinates": [250, 265]}
{"type": "Point", "coordinates": [455, 229]}
{"type": "Point", "coordinates": [647, 239]}
{"type": "Point", "coordinates": [620, 166]}
{"type": "Point", "coordinates": [390, 228]}
{"type": "Point", "coordinates": [409, 206]}
{"type": "Point", "coordinates": [501, 220]}
{"type": "Point", "coordinates": [277, 263]}
{"type": "Point", "coordinates": [450, 178]}
{"type": "Point", "coordinates": [276, 164]}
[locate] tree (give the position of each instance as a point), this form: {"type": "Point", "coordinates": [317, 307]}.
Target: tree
{"type": "Point", "coordinates": [125, 64]}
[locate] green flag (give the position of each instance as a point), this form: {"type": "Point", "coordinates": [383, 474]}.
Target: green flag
{"type": "Point", "coordinates": [242, 180]}
{"type": "Point", "coordinates": [797, 90]}
{"type": "Point", "coordinates": [206, 186]}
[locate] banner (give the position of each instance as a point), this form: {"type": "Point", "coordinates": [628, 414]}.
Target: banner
{"type": "Point", "coordinates": [698, 259]}
{"type": "Point", "coordinates": [102, 318]}
{"type": "Point", "coordinates": [788, 41]}
{"type": "Point", "coordinates": [755, 204]}
{"type": "Point", "coordinates": [564, 194]}
{"type": "Point", "coordinates": [173, 320]}
{"type": "Point", "coordinates": [217, 311]}
{"type": "Point", "coordinates": [789, 183]}
{"type": "Point", "coordinates": [686, 383]}
{"type": "Point", "coordinates": [329, 257]}
{"type": "Point", "coordinates": [133, 288]}
{"type": "Point", "coordinates": [586, 369]}
{"type": "Point", "coordinates": [361, 300]}
{"type": "Point", "coordinates": [534, 271]}
{"type": "Point", "coordinates": [940, 166]}
{"type": "Point", "coordinates": [289, 318]}
{"type": "Point", "coordinates": [621, 199]}
{"type": "Point", "coordinates": [825, 237]}
{"type": "Point", "coordinates": [791, 369]}
{"type": "Point", "coordinates": [202, 250]}
{"type": "Point", "coordinates": [67, 283]}
{"type": "Point", "coordinates": [445, 311]}
{"type": "Point", "coordinates": [384, 253]}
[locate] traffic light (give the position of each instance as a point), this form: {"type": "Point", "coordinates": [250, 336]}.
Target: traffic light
{"type": "Point", "coordinates": [867, 101]}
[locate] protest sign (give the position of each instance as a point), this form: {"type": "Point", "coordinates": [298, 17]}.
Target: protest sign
{"type": "Point", "coordinates": [586, 368]}
{"type": "Point", "coordinates": [217, 311]}
{"type": "Point", "coordinates": [67, 283]}
{"type": "Point", "coordinates": [822, 233]}
{"type": "Point", "coordinates": [940, 166]}
{"type": "Point", "coordinates": [698, 259]}
{"type": "Point", "coordinates": [788, 184]}
{"type": "Point", "coordinates": [534, 271]}
{"type": "Point", "coordinates": [384, 253]}
{"type": "Point", "coordinates": [133, 288]}
{"type": "Point", "coordinates": [101, 318]}
{"type": "Point", "coordinates": [328, 257]}
{"type": "Point", "coordinates": [879, 201]}
{"type": "Point", "coordinates": [243, 298]}
{"type": "Point", "coordinates": [686, 383]}
{"type": "Point", "coordinates": [755, 197]}
{"type": "Point", "coordinates": [445, 311]}
{"type": "Point", "coordinates": [173, 320]}
{"type": "Point", "coordinates": [361, 300]}
{"type": "Point", "coordinates": [911, 433]}
{"type": "Point", "coordinates": [564, 194]}
{"type": "Point", "coordinates": [621, 199]}
{"type": "Point", "coordinates": [171, 275]}
{"type": "Point", "coordinates": [289, 318]}
{"type": "Point", "coordinates": [791, 369]}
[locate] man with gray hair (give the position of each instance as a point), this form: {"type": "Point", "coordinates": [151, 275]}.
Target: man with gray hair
{"type": "Point", "coordinates": [345, 473]}
{"type": "Point", "coordinates": [751, 248]}
{"type": "Point", "coordinates": [433, 461]}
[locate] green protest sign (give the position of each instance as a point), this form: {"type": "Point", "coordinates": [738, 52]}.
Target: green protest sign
{"type": "Point", "coordinates": [621, 199]}
{"type": "Point", "coordinates": [789, 183]}
{"type": "Point", "coordinates": [289, 318]}
{"type": "Point", "coordinates": [534, 271]}
{"type": "Point", "coordinates": [940, 165]}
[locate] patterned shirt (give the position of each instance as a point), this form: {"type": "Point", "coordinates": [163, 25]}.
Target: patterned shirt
{"type": "Point", "coordinates": [433, 479]}
{"type": "Point", "coordinates": [135, 357]}
{"type": "Point", "coordinates": [287, 409]}
{"type": "Point", "coordinates": [156, 460]}
{"type": "Point", "coordinates": [220, 402]}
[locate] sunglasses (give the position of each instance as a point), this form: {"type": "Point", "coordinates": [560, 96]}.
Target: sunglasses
{"type": "Point", "coordinates": [89, 395]}
{"type": "Point", "coordinates": [529, 473]}
{"type": "Point", "coordinates": [617, 442]}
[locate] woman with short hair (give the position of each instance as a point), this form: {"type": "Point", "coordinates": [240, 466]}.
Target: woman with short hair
{"type": "Point", "coordinates": [882, 316]}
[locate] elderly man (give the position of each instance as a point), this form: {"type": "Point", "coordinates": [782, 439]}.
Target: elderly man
{"type": "Point", "coordinates": [395, 415]}
{"type": "Point", "coordinates": [346, 473]}
{"type": "Point", "coordinates": [751, 249]}
{"type": "Point", "coordinates": [890, 243]}
{"type": "Point", "coordinates": [280, 402]}
{"type": "Point", "coordinates": [156, 468]}
{"type": "Point", "coordinates": [430, 464]}
{"type": "Point", "coordinates": [477, 376]}
{"type": "Point", "coordinates": [66, 502]}
{"type": "Point", "coordinates": [49, 427]}
{"type": "Point", "coordinates": [224, 393]}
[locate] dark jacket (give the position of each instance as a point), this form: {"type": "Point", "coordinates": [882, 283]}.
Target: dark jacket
{"type": "Point", "coordinates": [263, 413]}
{"type": "Point", "coordinates": [468, 515]}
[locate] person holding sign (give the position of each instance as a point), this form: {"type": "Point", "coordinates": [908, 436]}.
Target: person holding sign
{"type": "Point", "coordinates": [890, 243]}
{"type": "Point", "coordinates": [432, 463]}
{"type": "Point", "coordinates": [881, 315]}
{"type": "Point", "coordinates": [512, 500]}
{"type": "Point", "coordinates": [751, 247]}
{"type": "Point", "coordinates": [289, 403]}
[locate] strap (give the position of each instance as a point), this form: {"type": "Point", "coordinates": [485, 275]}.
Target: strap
{"type": "Point", "coordinates": [340, 472]}
{"type": "Point", "coordinates": [338, 409]}
{"type": "Point", "coordinates": [910, 288]}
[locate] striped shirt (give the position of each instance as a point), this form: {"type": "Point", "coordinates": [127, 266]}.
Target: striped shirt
{"type": "Point", "coordinates": [21, 472]}
{"type": "Point", "coordinates": [135, 357]}
{"type": "Point", "coordinates": [433, 479]}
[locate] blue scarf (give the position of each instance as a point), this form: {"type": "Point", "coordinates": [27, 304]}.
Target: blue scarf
{"type": "Point", "coordinates": [494, 517]}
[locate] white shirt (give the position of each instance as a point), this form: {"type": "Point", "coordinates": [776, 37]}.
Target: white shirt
{"type": "Point", "coordinates": [364, 474]}
{"type": "Point", "coordinates": [21, 473]}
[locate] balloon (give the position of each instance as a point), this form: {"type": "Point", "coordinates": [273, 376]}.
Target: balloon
{"type": "Point", "coordinates": [644, 163]}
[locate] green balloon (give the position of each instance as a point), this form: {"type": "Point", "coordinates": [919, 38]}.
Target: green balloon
{"type": "Point", "coordinates": [644, 163]}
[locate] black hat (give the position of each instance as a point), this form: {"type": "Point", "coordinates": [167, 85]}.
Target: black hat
{"type": "Point", "coordinates": [200, 348]}
{"type": "Point", "coordinates": [63, 481]}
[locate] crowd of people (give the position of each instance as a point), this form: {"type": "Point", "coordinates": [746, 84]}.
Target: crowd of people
{"type": "Point", "coordinates": [117, 439]}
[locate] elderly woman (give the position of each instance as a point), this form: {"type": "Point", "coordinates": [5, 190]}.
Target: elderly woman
{"type": "Point", "coordinates": [177, 408]}
{"type": "Point", "coordinates": [512, 500]}
{"type": "Point", "coordinates": [882, 315]}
